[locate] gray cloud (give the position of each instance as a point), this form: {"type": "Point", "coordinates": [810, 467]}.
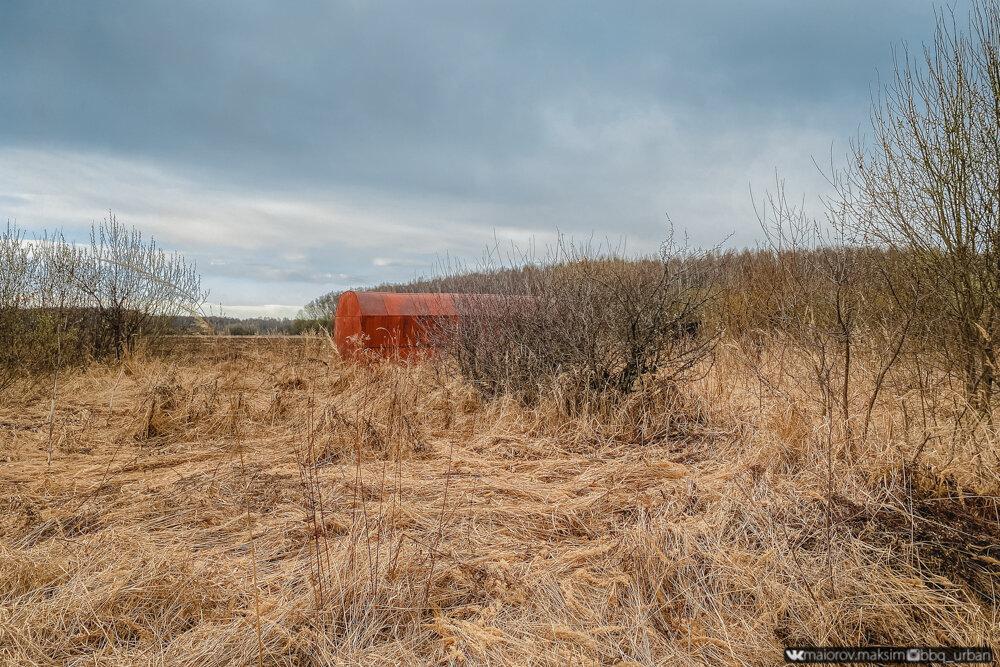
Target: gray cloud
{"type": "Point", "coordinates": [315, 144]}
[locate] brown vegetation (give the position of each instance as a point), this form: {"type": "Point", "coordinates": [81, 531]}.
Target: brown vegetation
{"type": "Point", "coordinates": [249, 501]}
{"type": "Point", "coordinates": [596, 324]}
{"type": "Point", "coordinates": [695, 458]}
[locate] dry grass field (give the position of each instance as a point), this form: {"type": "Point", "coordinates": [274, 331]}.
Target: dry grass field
{"type": "Point", "coordinates": [260, 502]}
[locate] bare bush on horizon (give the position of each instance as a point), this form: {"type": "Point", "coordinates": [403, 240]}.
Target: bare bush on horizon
{"type": "Point", "coordinates": [67, 303]}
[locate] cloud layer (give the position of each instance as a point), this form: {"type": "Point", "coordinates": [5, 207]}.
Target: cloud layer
{"type": "Point", "coordinates": [294, 148]}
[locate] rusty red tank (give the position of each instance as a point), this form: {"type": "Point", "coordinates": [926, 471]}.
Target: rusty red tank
{"type": "Point", "coordinates": [403, 325]}
{"type": "Point", "coordinates": [388, 323]}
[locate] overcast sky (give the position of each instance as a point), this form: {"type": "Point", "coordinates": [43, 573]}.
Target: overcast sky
{"type": "Point", "coordinates": [293, 148]}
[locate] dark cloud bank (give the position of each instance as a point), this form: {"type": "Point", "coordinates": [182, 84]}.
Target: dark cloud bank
{"type": "Point", "coordinates": [294, 148]}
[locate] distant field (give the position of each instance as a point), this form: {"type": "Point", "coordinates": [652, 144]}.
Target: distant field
{"type": "Point", "coordinates": [256, 501]}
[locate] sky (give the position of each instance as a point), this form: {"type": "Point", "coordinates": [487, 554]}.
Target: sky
{"type": "Point", "coordinates": [295, 148]}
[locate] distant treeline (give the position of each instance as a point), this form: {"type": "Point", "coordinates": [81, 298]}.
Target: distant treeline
{"type": "Point", "coordinates": [247, 326]}
{"type": "Point", "coordinates": [753, 288]}
{"type": "Point", "coordinates": [799, 286]}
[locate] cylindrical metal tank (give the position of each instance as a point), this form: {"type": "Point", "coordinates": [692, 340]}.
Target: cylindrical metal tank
{"type": "Point", "coordinates": [388, 323]}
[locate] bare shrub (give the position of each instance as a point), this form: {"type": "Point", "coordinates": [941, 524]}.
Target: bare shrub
{"type": "Point", "coordinates": [18, 279]}
{"type": "Point", "coordinates": [584, 322]}
{"type": "Point", "coordinates": [134, 285]}
{"type": "Point", "coordinates": [927, 186]}
{"type": "Point", "coordinates": [63, 303]}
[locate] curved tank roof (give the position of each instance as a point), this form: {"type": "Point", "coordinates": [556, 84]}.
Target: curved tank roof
{"type": "Point", "coordinates": [355, 304]}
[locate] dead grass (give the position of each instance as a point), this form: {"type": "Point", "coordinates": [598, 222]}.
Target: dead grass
{"type": "Point", "coordinates": [260, 502]}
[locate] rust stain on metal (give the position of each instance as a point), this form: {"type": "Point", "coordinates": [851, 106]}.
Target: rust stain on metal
{"type": "Point", "coordinates": [389, 323]}
{"type": "Point", "coordinates": [398, 324]}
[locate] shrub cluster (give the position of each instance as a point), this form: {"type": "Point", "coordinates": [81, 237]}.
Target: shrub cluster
{"type": "Point", "coordinates": [63, 303]}
{"type": "Point", "coordinates": [592, 324]}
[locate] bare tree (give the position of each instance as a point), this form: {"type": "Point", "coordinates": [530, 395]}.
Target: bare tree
{"type": "Point", "coordinates": [18, 280]}
{"type": "Point", "coordinates": [62, 303]}
{"type": "Point", "coordinates": [928, 184]}
{"type": "Point", "coordinates": [134, 285]}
